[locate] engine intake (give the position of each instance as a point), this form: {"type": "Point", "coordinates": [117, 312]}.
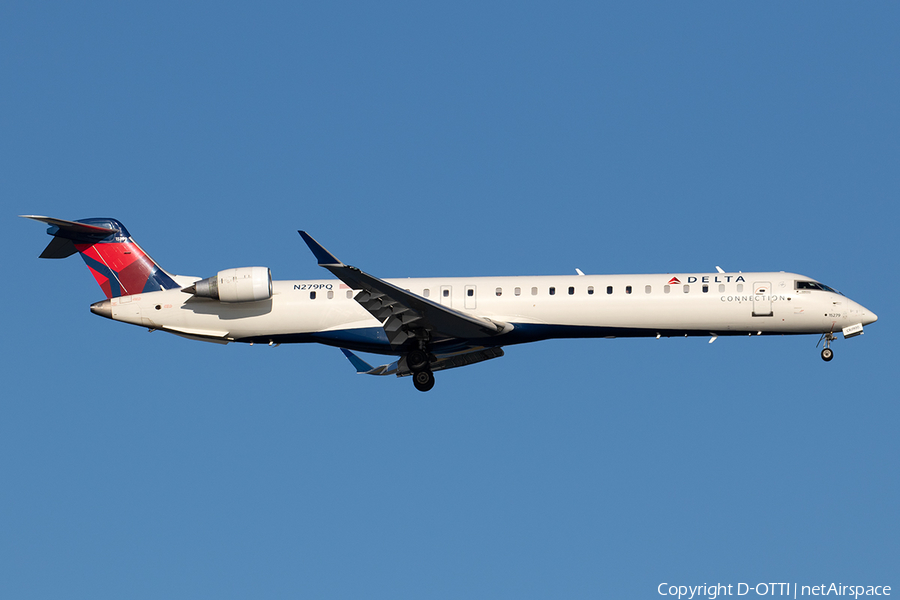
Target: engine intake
{"type": "Point", "coordinates": [247, 284]}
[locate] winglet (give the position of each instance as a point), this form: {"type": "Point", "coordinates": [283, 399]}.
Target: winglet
{"type": "Point", "coordinates": [322, 255]}
{"type": "Point", "coordinates": [360, 365]}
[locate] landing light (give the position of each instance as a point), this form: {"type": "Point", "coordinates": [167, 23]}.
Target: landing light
{"type": "Point", "coordinates": [852, 331]}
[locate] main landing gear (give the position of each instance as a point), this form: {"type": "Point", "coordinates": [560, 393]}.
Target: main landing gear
{"type": "Point", "coordinates": [423, 380]}
{"type": "Point", "coordinates": [419, 363]}
{"type": "Point", "coordinates": [827, 352]}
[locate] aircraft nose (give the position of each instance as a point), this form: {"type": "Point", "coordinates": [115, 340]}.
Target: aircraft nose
{"type": "Point", "coordinates": [868, 317]}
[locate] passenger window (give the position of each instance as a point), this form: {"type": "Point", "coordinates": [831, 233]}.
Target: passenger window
{"type": "Point", "coordinates": [571, 290]}
{"type": "Point", "coordinates": [552, 291]}
{"type": "Point", "coordinates": [425, 293]}
{"type": "Point", "coordinates": [647, 289]}
{"type": "Point", "coordinates": [705, 288]}
{"type": "Point", "coordinates": [740, 287]}
{"type": "Point", "coordinates": [330, 295]}
{"type": "Point", "coordinates": [721, 288]}
{"type": "Point", "coordinates": [470, 292]}
{"type": "Point", "coordinates": [667, 288]}
{"type": "Point", "coordinates": [627, 289]}
{"type": "Point", "coordinates": [518, 291]}
{"type": "Point", "coordinates": [499, 291]}
{"type": "Point", "coordinates": [590, 290]}
{"type": "Point", "coordinates": [687, 289]}
{"type": "Point", "coordinates": [609, 289]}
{"type": "Point", "coordinates": [312, 295]}
{"type": "Point", "coordinates": [446, 293]}
{"type": "Point", "coordinates": [349, 294]}
{"type": "Point", "coordinates": [534, 291]}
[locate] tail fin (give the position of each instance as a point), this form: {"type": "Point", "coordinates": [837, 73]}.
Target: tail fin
{"type": "Point", "coordinates": [118, 264]}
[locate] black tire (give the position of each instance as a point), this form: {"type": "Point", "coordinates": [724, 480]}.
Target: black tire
{"type": "Point", "coordinates": [417, 360]}
{"type": "Point", "coordinates": [827, 354]}
{"type": "Point", "coordinates": [423, 380]}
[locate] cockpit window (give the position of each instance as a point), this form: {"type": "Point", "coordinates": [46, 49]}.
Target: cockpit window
{"type": "Point", "coordinates": [813, 285]}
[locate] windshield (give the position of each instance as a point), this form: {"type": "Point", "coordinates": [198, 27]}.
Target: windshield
{"type": "Point", "coordinates": [814, 285]}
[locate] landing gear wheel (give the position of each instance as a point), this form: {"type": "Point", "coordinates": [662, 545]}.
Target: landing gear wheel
{"type": "Point", "coordinates": [417, 360]}
{"type": "Point", "coordinates": [827, 352]}
{"type": "Point", "coordinates": [423, 380]}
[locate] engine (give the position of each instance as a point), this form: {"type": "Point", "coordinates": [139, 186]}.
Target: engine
{"type": "Point", "coordinates": [247, 284]}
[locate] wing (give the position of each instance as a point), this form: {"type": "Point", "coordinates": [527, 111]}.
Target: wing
{"type": "Point", "coordinates": [452, 360]}
{"type": "Point", "coordinates": [404, 315]}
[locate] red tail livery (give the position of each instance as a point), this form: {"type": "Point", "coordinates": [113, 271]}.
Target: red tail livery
{"type": "Point", "coordinates": [118, 264]}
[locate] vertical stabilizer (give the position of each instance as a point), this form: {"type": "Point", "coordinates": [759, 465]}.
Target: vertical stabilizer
{"type": "Point", "coordinates": [118, 264]}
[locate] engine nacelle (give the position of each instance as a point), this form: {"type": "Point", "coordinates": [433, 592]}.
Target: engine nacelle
{"type": "Point", "coordinates": [247, 284]}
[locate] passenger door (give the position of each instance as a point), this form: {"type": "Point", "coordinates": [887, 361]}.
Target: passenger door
{"type": "Point", "coordinates": [762, 299]}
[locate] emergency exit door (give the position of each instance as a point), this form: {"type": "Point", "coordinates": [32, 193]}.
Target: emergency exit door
{"type": "Point", "coordinates": [471, 299]}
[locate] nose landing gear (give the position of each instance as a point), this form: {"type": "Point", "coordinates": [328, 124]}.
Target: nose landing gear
{"type": "Point", "coordinates": [827, 352]}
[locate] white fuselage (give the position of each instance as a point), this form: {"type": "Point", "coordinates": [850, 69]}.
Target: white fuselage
{"type": "Point", "coordinates": [539, 307]}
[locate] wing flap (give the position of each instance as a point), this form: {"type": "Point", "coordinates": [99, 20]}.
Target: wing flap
{"type": "Point", "coordinates": [463, 359]}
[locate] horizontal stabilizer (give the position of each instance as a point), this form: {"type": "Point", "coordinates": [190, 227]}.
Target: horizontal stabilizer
{"type": "Point", "coordinates": [73, 227]}
{"type": "Point", "coordinates": [67, 233]}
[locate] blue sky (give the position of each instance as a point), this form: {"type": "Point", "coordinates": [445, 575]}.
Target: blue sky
{"type": "Point", "coordinates": [454, 139]}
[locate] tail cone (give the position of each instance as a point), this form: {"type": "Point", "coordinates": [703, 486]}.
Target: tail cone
{"type": "Point", "coordinates": [102, 308]}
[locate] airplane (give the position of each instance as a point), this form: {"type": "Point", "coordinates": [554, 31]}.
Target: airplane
{"type": "Point", "coordinates": [433, 324]}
